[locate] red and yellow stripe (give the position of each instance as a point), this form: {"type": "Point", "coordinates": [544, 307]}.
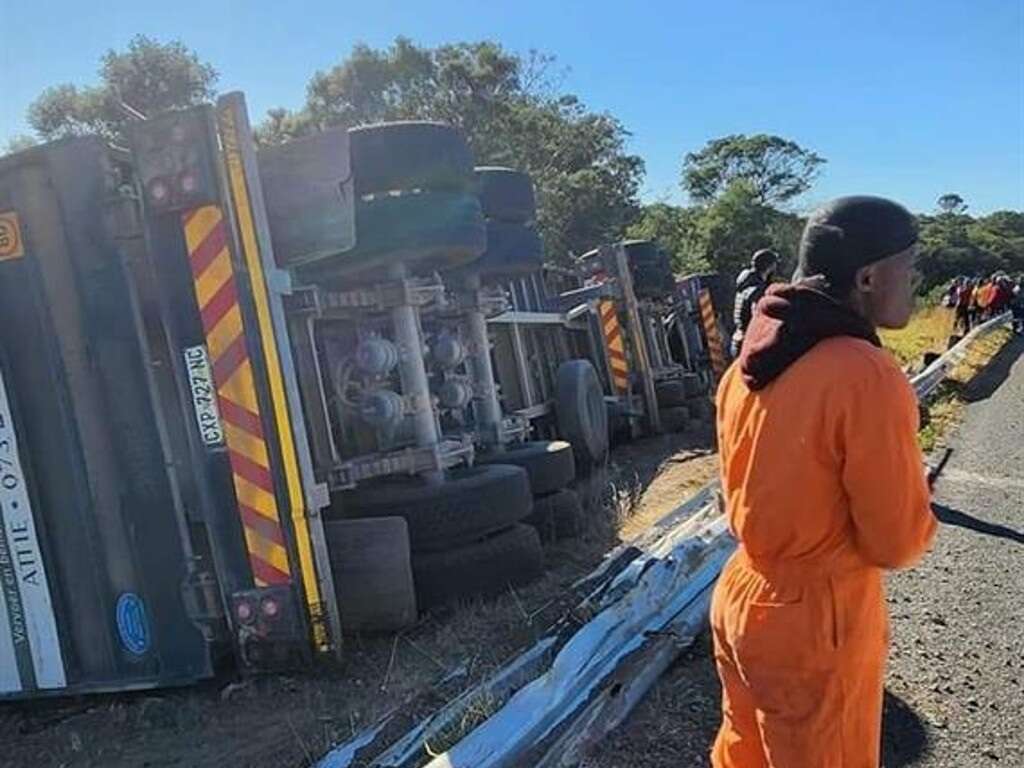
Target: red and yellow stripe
{"type": "Point", "coordinates": [715, 348]}
{"type": "Point", "coordinates": [216, 292]}
{"type": "Point", "coordinates": [616, 348]}
{"type": "Point", "coordinates": [228, 117]}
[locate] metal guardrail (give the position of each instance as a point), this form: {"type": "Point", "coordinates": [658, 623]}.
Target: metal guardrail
{"type": "Point", "coordinates": [647, 601]}
{"type": "Point", "coordinates": [927, 380]}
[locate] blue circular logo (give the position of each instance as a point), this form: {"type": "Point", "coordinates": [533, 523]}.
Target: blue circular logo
{"type": "Point", "coordinates": [132, 625]}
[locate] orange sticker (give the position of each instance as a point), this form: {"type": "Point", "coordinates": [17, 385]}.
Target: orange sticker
{"type": "Point", "coordinates": [11, 246]}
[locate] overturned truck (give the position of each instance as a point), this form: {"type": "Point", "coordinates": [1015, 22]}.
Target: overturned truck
{"type": "Point", "coordinates": [250, 401]}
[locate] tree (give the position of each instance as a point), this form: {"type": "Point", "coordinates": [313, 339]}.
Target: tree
{"type": "Point", "coordinates": [737, 223]}
{"type": "Point", "coordinates": [958, 244]}
{"type": "Point", "coordinates": [18, 143]}
{"type": "Point", "coordinates": [672, 227]}
{"type": "Point", "coordinates": [147, 78]}
{"type": "Point", "coordinates": [775, 169]}
{"type": "Point", "coordinates": [951, 203]}
{"type": "Point", "coordinates": [512, 113]}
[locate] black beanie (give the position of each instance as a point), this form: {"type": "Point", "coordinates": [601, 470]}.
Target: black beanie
{"type": "Point", "coordinates": [763, 259]}
{"type": "Point", "coordinates": [849, 233]}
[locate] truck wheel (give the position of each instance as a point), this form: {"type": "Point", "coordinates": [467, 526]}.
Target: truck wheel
{"type": "Point", "coordinates": [557, 515]}
{"type": "Point", "coordinates": [372, 573]}
{"type": "Point", "coordinates": [674, 419]}
{"type": "Point", "coordinates": [513, 250]}
{"type": "Point", "coordinates": [483, 569]}
{"type": "Point", "coordinates": [548, 463]}
{"type": "Point", "coordinates": [670, 393]}
{"type": "Point", "coordinates": [693, 385]}
{"type": "Point", "coordinates": [506, 195]}
{"type": "Point", "coordinates": [701, 409]}
{"type": "Point", "coordinates": [471, 503]}
{"type": "Point", "coordinates": [409, 155]}
{"type": "Point", "coordinates": [651, 269]}
{"type": "Point", "coordinates": [653, 281]}
{"type": "Point", "coordinates": [641, 252]}
{"type": "Point", "coordinates": [580, 409]}
{"type": "Point", "coordinates": [619, 431]}
{"type": "Point", "coordinates": [430, 230]}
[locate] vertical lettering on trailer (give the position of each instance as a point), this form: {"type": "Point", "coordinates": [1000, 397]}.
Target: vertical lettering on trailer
{"type": "Point", "coordinates": [29, 622]}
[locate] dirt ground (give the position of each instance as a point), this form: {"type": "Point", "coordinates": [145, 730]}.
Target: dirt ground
{"type": "Point", "coordinates": [289, 721]}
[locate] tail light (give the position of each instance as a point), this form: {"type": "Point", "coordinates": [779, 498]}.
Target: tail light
{"type": "Point", "coordinates": [245, 611]}
{"type": "Point", "coordinates": [269, 628]}
{"type": "Point", "coordinates": [270, 608]}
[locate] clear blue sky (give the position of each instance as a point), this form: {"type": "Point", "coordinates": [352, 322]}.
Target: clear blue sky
{"type": "Point", "coordinates": [908, 98]}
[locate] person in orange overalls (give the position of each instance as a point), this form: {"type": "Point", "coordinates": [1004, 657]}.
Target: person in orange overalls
{"type": "Point", "coordinates": [825, 490]}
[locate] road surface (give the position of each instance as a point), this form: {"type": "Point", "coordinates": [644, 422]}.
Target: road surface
{"type": "Point", "coordinates": [955, 689]}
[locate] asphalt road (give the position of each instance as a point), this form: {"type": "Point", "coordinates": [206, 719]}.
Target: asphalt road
{"type": "Point", "coordinates": [957, 660]}
{"type": "Point", "coordinates": [955, 689]}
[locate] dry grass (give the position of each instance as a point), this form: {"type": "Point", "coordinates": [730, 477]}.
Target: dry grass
{"type": "Point", "coordinates": [946, 408]}
{"type": "Point", "coordinates": [929, 331]}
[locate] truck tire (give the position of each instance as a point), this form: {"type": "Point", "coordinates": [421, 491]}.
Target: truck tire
{"type": "Point", "coordinates": [548, 463]}
{"type": "Point", "coordinates": [670, 393]}
{"type": "Point", "coordinates": [701, 409]}
{"type": "Point", "coordinates": [409, 155]}
{"type": "Point", "coordinates": [471, 503]}
{"type": "Point", "coordinates": [580, 410]}
{"type": "Point", "coordinates": [674, 419]}
{"type": "Point", "coordinates": [653, 281]}
{"type": "Point", "coordinates": [693, 385]}
{"type": "Point", "coordinates": [426, 231]}
{"type": "Point", "coordinates": [483, 569]}
{"type": "Point", "coordinates": [372, 573]}
{"type": "Point", "coordinates": [641, 252]}
{"type": "Point", "coordinates": [619, 430]}
{"type": "Point", "coordinates": [513, 250]}
{"type": "Point", "coordinates": [651, 269]}
{"type": "Point", "coordinates": [506, 195]}
{"type": "Point", "coordinates": [557, 515]}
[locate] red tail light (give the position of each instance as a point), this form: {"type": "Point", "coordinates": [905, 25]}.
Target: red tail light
{"type": "Point", "coordinates": [245, 612]}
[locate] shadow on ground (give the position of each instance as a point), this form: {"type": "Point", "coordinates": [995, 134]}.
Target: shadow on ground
{"type": "Point", "coordinates": [963, 520]}
{"type": "Point", "coordinates": [904, 736]}
{"type": "Point", "coordinates": [992, 376]}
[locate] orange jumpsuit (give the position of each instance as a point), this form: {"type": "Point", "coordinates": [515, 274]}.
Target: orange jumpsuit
{"type": "Point", "coordinates": [825, 489]}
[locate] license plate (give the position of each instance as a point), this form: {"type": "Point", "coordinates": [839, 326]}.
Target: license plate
{"type": "Point", "coordinates": [204, 395]}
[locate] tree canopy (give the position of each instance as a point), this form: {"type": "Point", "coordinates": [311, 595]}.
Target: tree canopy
{"type": "Point", "coordinates": [148, 77]}
{"type": "Point", "coordinates": [774, 169]}
{"type": "Point", "coordinates": [955, 243]}
{"type": "Point", "coordinates": [951, 203]}
{"type": "Point", "coordinates": [722, 235]}
{"type": "Point", "coordinates": [512, 112]}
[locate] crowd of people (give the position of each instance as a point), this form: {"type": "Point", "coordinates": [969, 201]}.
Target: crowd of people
{"type": "Point", "coordinates": [976, 299]}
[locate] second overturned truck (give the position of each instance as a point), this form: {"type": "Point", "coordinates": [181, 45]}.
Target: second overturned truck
{"type": "Point", "coordinates": [249, 401]}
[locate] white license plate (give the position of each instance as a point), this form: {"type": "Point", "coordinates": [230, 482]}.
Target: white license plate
{"type": "Point", "coordinates": [204, 395]}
